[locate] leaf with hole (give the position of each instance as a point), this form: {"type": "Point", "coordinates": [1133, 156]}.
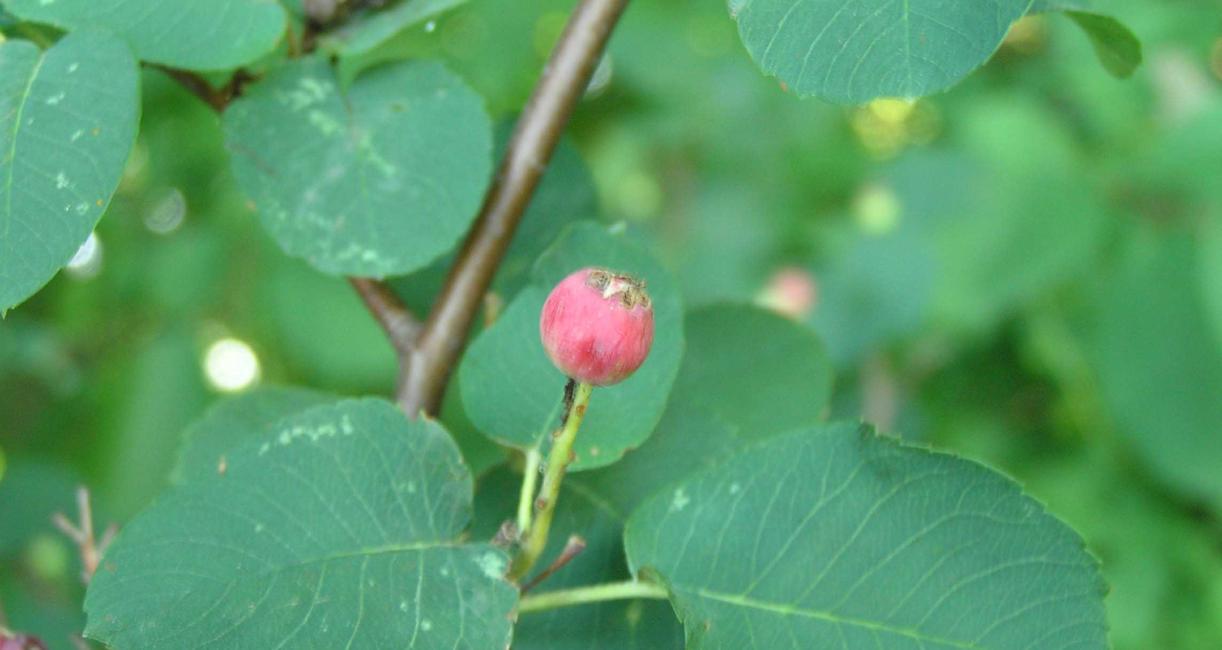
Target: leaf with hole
{"type": "Point", "coordinates": [68, 120]}
{"type": "Point", "coordinates": [339, 529]}
{"type": "Point", "coordinates": [835, 537]}
{"type": "Point", "coordinates": [188, 34]}
{"type": "Point", "coordinates": [376, 179]}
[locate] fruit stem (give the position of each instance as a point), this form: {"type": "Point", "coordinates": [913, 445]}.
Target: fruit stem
{"type": "Point", "coordinates": [534, 538]}
{"type": "Point", "coordinates": [596, 593]}
{"type": "Point", "coordinates": [530, 481]}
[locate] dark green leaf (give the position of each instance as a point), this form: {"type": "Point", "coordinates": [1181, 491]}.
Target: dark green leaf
{"type": "Point", "coordinates": [340, 530]}
{"type": "Point", "coordinates": [190, 34]}
{"type": "Point", "coordinates": [365, 32]}
{"type": "Point", "coordinates": [373, 180]}
{"type": "Point", "coordinates": [1161, 368]}
{"type": "Point", "coordinates": [511, 390]}
{"type": "Point", "coordinates": [689, 437]}
{"type": "Point", "coordinates": [68, 119]}
{"type": "Point", "coordinates": [235, 421]}
{"type": "Point", "coordinates": [835, 537]}
{"type": "Point", "coordinates": [760, 372]}
{"type": "Point", "coordinates": [852, 52]}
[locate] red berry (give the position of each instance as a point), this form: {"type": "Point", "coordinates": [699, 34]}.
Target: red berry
{"type": "Point", "coordinates": [597, 326]}
{"type": "Point", "coordinates": [19, 642]}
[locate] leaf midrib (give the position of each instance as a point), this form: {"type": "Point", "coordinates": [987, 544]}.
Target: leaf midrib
{"type": "Point", "coordinates": [784, 609]}
{"type": "Point", "coordinates": [12, 153]}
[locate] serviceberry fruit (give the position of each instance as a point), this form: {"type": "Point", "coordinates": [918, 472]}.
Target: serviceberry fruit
{"type": "Point", "coordinates": [597, 326]}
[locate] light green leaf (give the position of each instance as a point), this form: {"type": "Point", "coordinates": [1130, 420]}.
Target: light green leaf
{"type": "Point", "coordinates": [837, 538]}
{"type": "Point", "coordinates": [189, 34]}
{"type": "Point", "coordinates": [68, 119]}
{"type": "Point", "coordinates": [237, 420]}
{"type": "Point", "coordinates": [625, 624]}
{"type": "Point", "coordinates": [760, 372]}
{"type": "Point", "coordinates": [1161, 368]}
{"type": "Point", "coordinates": [363, 33]}
{"type": "Point", "coordinates": [377, 179]}
{"type": "Point", "coordinates": [340, 530]}
{"type": "Point", "coordinates": [511, 390]}
{"type": "Point", "coordinates": [852, 52]}
{"type": "Point", "coordinates": [1116, 45]}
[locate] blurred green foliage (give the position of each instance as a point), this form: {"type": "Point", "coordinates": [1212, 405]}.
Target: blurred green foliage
{"type": "Point", "coordinates": [1025, 270]}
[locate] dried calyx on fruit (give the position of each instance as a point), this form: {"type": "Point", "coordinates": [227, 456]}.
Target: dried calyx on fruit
{"type": "Point", "coordinates": [597, 326]}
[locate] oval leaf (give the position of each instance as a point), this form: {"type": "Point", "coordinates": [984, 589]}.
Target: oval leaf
{"type": "Point", "coordinates": [837, 538]}
{"type": "Point", "coordinates": [1161, 369]}
{"type": "Point", "coordinates": [339, 530]}
{"type": "Point", "coordinates": [377, 179]}
{"type": "Point", "coordinates": [68, 120]}
{"type": "Point", "coordinates": [235, 421]}
{"type": "Point", "coordinates": [363, 33]}
{"type": "Point", "coordinates": [189, 34]}
{"type": "Point", "coordinates": [511, 390]}
{"type": "Point", "coordinates": [735, 351]}
{"type": "Point", "coordinates": [852, 52]}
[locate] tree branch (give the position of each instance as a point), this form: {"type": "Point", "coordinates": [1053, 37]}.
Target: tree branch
{"type": "Point", "coordinates": [216, 98]}
{"type": "Point", "coordinates": [396, 319]}
{"type": "Point", "coordinates": [565, 78]}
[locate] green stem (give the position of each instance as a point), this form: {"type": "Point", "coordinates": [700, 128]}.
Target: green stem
{"type": "Point", "coordinates": [534, 538]}
{"type": "Point", "coordinates": [530, 480]}
{"type": "Point", "coordinates": [597, 593]}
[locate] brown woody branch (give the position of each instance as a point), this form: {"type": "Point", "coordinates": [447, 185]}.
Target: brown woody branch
{"type": "Point", "coordinates": [565, 78]}
{"type": "Point", "coordinates": [392, 314]}
{"type": "Point", "coordinates": [428, 352]}
{"type": "Point", "coordinates": [90, 548]}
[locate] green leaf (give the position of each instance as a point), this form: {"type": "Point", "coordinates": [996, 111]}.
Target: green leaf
{"type": "Point", "coordinates": [1116, 46]}
{"type": "Point", "coordinates": [1211, 273]}
{"type": "Point", "coordinates": [1161, 368]}
{"type": "Point", "coordinates": [760, 372]}
{"type": "Point", "coordinates": [511, 390]}
{"type": "Point", "coordinates": [835, 537]}
{"type": "Point", "coordinates": [853, 52]}
{"type": "Point", "coordinates": [363, 33]}
{"type": "Point", "coordinates": [30, 493]}
{"type": "Point", "coordinates": [237, 420]}
{"type": "Point", "coordinates": [189, 34]}
{"type": "Point", "coordinates": [340, 530]}
{"type": "Point", "coordinates": [68, 119]}
{"type": "Point", "coordinates": [689, 438]}
{"type": "Point", "coordinates": [626, 624]}
{"type": "Point", "coordinates": [377, 179]}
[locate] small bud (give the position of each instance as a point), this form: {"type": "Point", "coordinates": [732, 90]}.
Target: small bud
{"type": "Point", "coordinates": [597, 326]}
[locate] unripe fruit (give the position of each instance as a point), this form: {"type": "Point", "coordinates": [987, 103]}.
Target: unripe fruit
{"type": "Point", "coordinates": [597, 326]}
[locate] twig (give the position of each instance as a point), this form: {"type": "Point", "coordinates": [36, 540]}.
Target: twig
{"type": "Point", "coordinates": [572, 549]}
{"type": "Point", "coordinates": [91, 549]}
{"type": "Point", "coordinates": [396, 319]}
{"type": "Point", "coordinates": [595, 594]}
{"type": "Point", "coordinates": [216, 98]}
{"type": "Point", "coordinates": [564, 80]}
{"type": "Point", "coordinates": [533, 540]}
